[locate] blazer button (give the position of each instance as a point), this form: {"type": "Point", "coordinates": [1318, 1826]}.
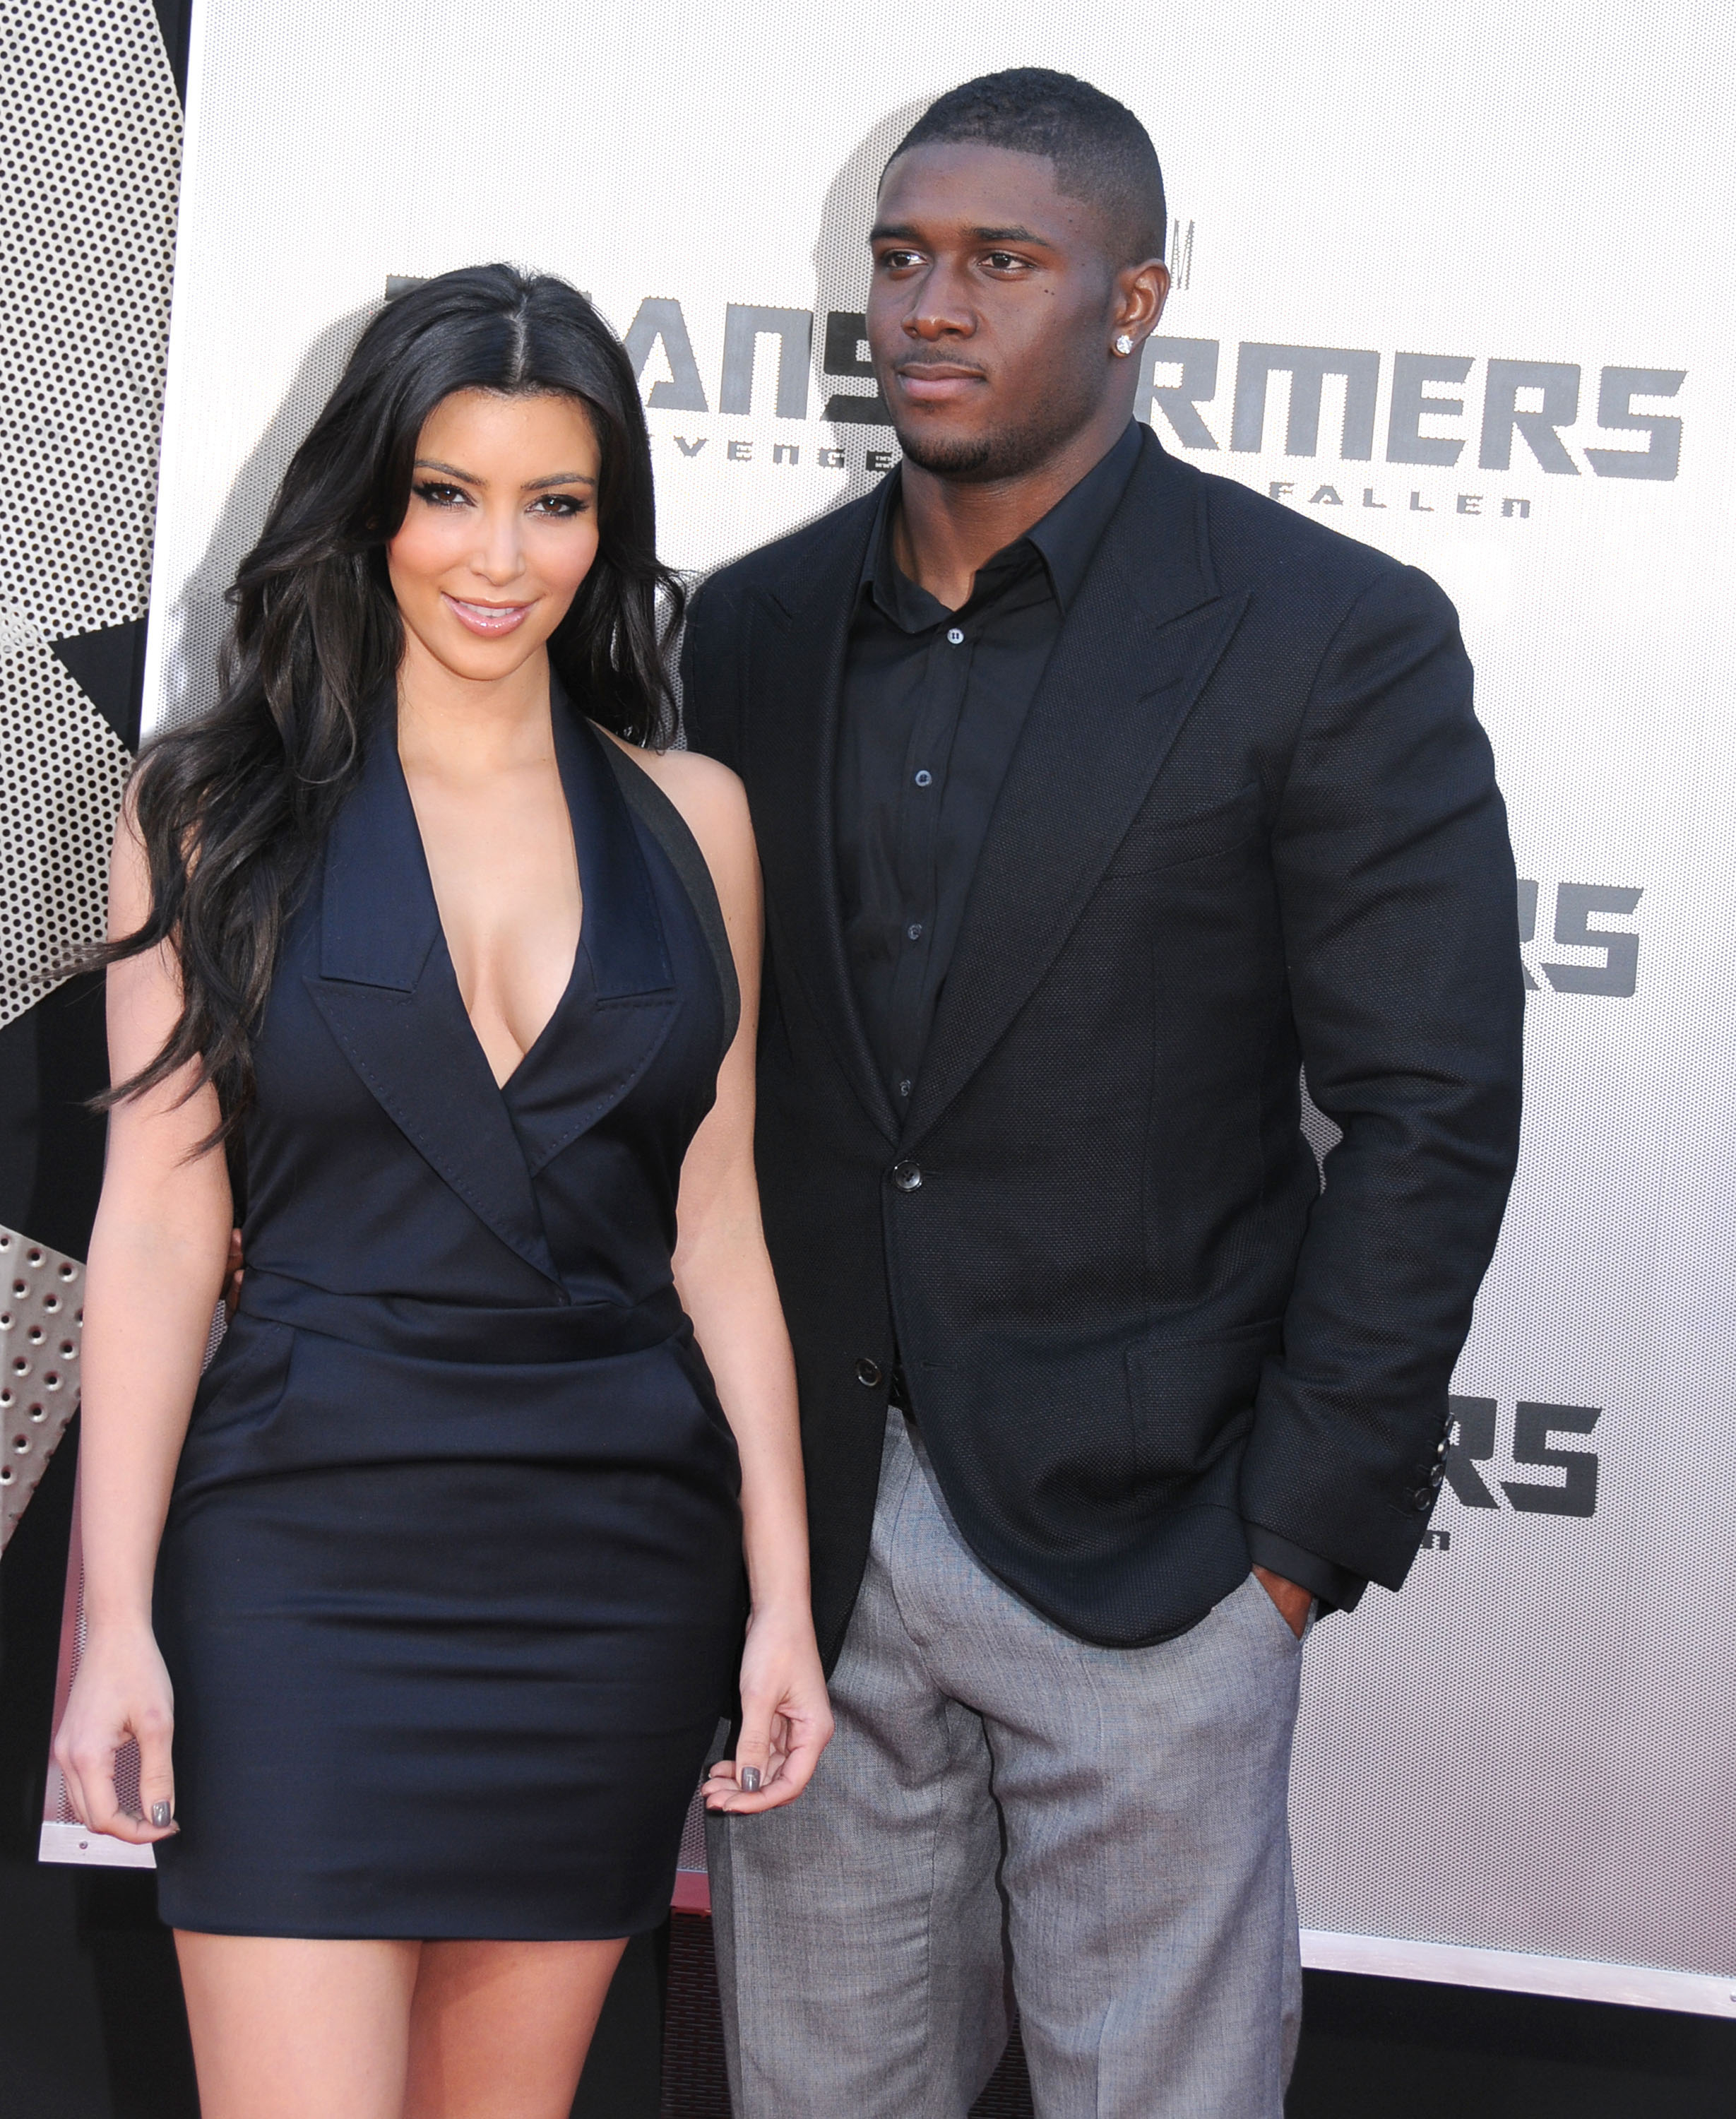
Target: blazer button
{"type": "Point", "coordinates": [867, 1373]}
{"type": "Point", "coordinates": [1424, 1498]}
{"type": "Point", "coordinates": [906, 1176]}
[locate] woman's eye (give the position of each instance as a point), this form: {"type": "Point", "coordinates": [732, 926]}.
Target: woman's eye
{"type": "Point", "coordinates": [442, 496]}
{"type": "Point", "coordinates": [562, 506]}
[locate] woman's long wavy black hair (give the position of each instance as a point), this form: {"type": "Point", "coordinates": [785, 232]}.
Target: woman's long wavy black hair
{"type": "Point", "coordinates": [234, 809]}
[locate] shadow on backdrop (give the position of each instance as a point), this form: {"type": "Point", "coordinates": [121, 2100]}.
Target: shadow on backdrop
{"type": "Point", "coordinates": [853, 409]}
{"type": "Point", "coordinates": [197, 620]}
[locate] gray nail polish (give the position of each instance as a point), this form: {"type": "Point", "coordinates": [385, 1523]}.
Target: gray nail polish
{"type": "Point", "coordinates": [750, 1777]}
{"type": "Point", "coordinates": [159, 1814]}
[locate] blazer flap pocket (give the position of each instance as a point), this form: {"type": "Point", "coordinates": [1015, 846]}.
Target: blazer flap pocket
{"type": "Point", "coordinates": [1162, 838]}
{"type": "Point", "coordinates": [1191, 1399]}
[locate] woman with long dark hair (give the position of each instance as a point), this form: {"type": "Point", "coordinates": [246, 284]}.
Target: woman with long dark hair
{"type": "Point", "coordinates": [432, 968]}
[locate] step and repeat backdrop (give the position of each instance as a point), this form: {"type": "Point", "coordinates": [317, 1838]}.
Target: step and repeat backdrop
{"type": "Point", "coordinates": [1451, 280]}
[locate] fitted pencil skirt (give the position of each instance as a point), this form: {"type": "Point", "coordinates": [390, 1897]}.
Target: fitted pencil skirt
{"type": "Point", "coordinates": [449, 1639]}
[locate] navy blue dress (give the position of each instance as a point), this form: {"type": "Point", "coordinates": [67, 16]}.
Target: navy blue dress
{"type": "Point", "coordinates": [452, 1589]}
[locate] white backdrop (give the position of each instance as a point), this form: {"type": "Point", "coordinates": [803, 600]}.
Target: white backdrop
{"type": "Point", "coordinates": [1522, 1771]}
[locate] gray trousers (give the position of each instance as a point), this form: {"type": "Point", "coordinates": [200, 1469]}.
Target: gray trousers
{"type": "Point", "coordinates": [1008, 1813]}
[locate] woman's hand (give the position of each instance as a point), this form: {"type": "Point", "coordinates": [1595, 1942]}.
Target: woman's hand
{"type": "Point", "coordinates": [121, 1691]}
{"type": "Point", "coordinates": [786, 1717]}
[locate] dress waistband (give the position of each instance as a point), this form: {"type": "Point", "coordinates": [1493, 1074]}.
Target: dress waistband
{"type": "Point", "coordinates": [408, 1326]}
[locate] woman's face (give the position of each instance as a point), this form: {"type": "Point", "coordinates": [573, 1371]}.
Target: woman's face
{"type": "Point", "coordinates": [502, 529]}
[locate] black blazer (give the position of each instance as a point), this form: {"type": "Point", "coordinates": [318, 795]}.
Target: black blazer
{"type": "Point", "coordinates": [1251, 822]}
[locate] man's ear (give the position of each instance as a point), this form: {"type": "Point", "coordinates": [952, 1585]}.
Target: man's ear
{"type": "Point", "coordinates": [1141, 291]}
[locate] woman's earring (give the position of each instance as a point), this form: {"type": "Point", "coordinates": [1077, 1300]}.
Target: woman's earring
{"type": "Point", "coordinates": [1123, 344]}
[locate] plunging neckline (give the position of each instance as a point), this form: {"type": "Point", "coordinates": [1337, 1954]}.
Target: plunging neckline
{"type": "Point", "coordinates": [559, 1009]}
{"type": "Point", "coordinates": [503, 1084]}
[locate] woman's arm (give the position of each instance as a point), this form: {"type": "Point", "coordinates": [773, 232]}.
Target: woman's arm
{"type": "Point", "coordinates": [725, 1279]}
{"type": "Point", "coordinates": [157, 1258]}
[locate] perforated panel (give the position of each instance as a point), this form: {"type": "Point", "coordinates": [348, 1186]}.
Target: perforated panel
{"type": "Point", "coordinates": [87, 206]}
{"type": "Point", "coordinates": [41, 1321]}
{"type": "Point", "coordinates": [61, 771]}
{"type": "Point", "coordinates": [90, 127]}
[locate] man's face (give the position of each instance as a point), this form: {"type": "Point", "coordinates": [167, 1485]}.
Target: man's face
{"type": "Point", "coordinates": [991, 311]}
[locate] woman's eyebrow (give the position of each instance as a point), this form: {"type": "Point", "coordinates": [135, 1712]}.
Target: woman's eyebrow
{"type": "Point", "coordinates": [530, 484]}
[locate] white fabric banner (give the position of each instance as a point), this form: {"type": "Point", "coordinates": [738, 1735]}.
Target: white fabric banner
{"type": "Point", "coordinates": [1455, 283]}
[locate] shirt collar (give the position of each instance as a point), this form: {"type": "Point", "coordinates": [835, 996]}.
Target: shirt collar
{"type": "Point", "coordinates": [1066, 539]}
{"type": "Point", "coordinates": [1069, 535]}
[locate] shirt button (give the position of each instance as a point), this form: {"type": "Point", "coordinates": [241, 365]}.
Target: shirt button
{"type": "Point", "coordinates": [907, 1177]}
{"type": "Point", "coordinates": [955, 636]}
{"type": "Point", "coordinates": [867, 1373]}
{"type": "Point", "coordinates": [924, 778]}
{"type": "Point", "coordinates": [903, 1088]}
{"type": "Point", "coordinates": [915, 930]}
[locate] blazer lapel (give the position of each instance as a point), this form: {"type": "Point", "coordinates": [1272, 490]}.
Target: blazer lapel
{"type": "Point", "coordinates": [1144, 634]}
{"type": "Point", "coordinates": [388, 993]}
{"type": "Point", "coordinates": [793, 740]}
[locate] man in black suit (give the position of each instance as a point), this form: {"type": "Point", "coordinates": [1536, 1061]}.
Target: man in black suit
{"type": "Point", "coordinates": [1096, 798]}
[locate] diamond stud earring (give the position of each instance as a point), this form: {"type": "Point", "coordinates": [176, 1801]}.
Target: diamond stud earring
{"type": "Point", "coordinates": [1123, 344]}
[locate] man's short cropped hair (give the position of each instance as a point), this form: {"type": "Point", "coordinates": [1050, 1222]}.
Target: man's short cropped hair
{"type": "Point", "coordinates": [1100, 151]}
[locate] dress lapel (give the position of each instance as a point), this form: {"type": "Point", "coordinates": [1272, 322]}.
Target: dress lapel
{"type": "Point", "coordinates": [798, 692]}
{"type": "Point", "coordinates": [578, 1071]}
{"type": "Point", "coordinates": [388, 993]}
{"type": "Point", "coordinates": [622, 935]}
{"type": "Point", "coordinates": [1141, 638]}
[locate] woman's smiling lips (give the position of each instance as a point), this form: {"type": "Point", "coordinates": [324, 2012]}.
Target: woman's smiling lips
{"type": "Point", "coordinates": [491, 618]}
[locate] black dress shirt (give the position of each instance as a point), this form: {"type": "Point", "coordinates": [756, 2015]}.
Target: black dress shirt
{"type": "Point", "coordinates": [934, 701]}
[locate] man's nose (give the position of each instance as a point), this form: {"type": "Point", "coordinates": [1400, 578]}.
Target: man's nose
{"type": "Point", "coordinates": [938, 310]}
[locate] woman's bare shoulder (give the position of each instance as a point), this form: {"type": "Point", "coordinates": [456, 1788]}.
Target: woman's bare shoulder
{"type": "Point", "coordinates": [712, 800]}
{"type": "Point", "coordinates": [713, 804]}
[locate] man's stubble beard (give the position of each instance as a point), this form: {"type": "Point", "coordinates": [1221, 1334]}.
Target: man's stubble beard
{"type": "Point", "coordinates": [1008, 453]}
{"type": "Point", "coordinates": [965, 461]}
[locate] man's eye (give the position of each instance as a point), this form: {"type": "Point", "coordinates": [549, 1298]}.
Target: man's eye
{"type": "Point", "coordinates": [899, 260]}
{"type": "Point", "coordinates": [1002, 260]}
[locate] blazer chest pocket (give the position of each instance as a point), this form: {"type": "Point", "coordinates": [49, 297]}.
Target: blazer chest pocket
{"type": "Point", "coordinates": [1161, 838]}
{"type": "Point", "coordinates": [1190, 1399]}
